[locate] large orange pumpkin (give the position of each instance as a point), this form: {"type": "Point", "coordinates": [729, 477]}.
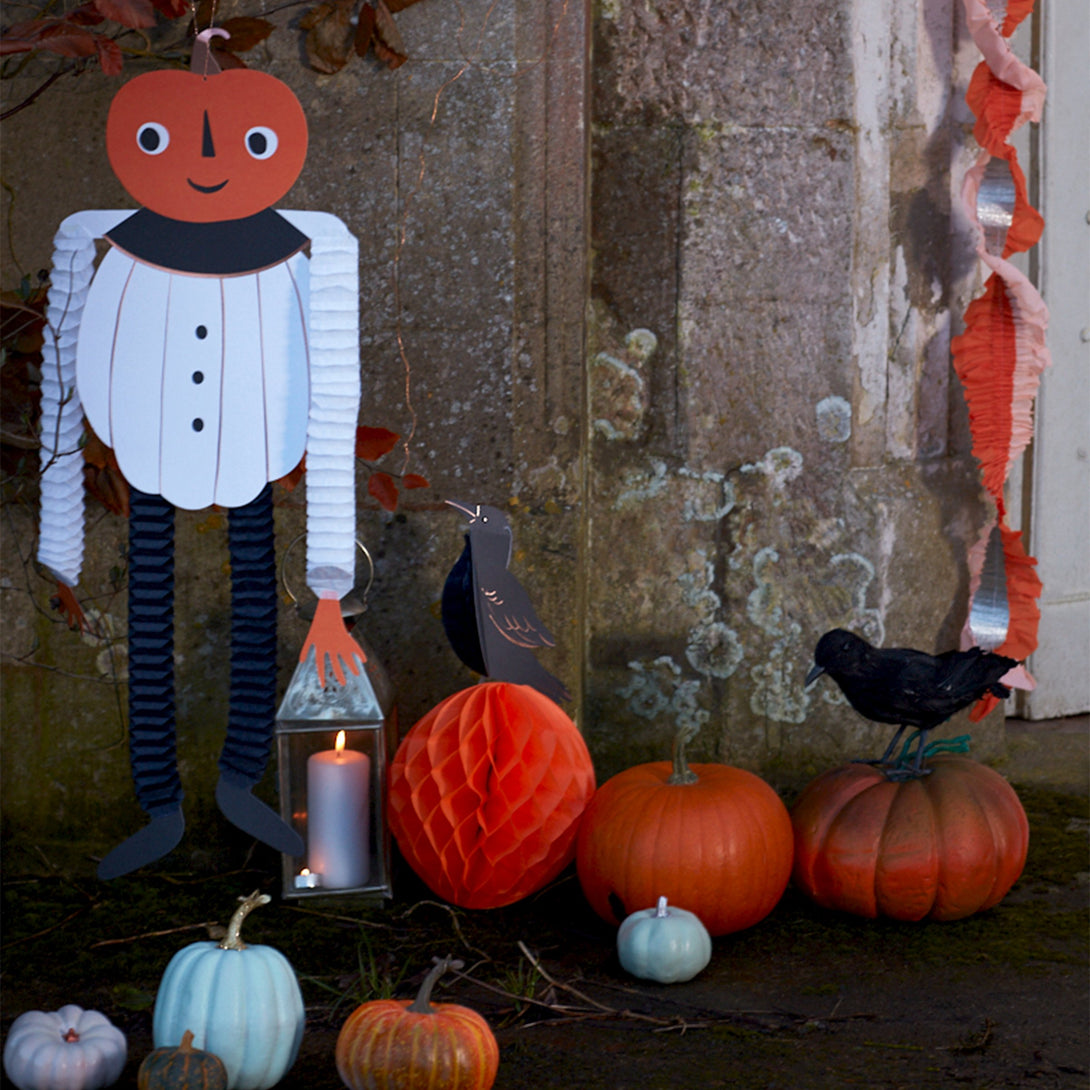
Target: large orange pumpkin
{"type": "Point", "coordinates": [942, 846]}
{"type": "Point", "coordinates": [486, 792]}
{"type": "Point", "coordinates": [390, 1044]}
{"type": "Point", "coordinates": [713, 839]}
{"type": "Point", "coordinates": [203, 148]}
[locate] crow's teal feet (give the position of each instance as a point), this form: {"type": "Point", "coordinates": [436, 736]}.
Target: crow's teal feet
{"type": "Point", "coordinates": [252, 816]}
{"type": "Point", "coordinates": [158, 838]}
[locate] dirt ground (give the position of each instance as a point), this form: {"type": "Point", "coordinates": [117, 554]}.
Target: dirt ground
{"type": "Point", "coordinates": [806, 999]}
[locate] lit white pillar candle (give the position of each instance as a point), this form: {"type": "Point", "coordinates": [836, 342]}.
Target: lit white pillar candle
{"type": "Point", "coordinates": [338, 818]}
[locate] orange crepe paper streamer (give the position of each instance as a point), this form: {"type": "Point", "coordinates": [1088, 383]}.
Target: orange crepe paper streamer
{"type": "Point", "coordinates": [1023, 590]}
{"type": "Point", "coordinates": [1000, 356]}
{"type": "Point", "coordinates": [486, 792]}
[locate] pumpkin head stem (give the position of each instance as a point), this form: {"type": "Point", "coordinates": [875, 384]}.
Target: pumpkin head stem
{"type": "Point", "coordinates": [660, 909]}
{"type": "Point", "coordinates": [72, 1037]}
{"type": "Point", "coordinates": [232, 940]}
{"type": "Point", "coordinates": [202, 61]}
{"type": "Point", "coordinates": [682, 772]}
{"type": "Point", "coordinates": [422, 1003]}
{"type": "Point", "coordinates": [187, 1041]}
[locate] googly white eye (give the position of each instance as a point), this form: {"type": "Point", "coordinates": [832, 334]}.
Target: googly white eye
{"type": "Point", "coordinates": [152, 138]}
{"type": "Point", "coordinates": [261, 142]}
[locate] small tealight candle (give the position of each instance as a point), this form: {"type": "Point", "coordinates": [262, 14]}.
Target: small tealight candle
{"type": "Point", "coordinates": [338, 815]}
{"type": "Point", "coordinates": [307, 879]}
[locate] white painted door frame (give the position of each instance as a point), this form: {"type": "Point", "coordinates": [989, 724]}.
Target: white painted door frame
{"type": "Point", "coordinates": [1055, 479]}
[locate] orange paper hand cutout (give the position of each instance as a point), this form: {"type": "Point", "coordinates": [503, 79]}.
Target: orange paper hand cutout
{"type": "Point", "coordinates": [328, 636]}
{"type": "Point", "coordinates": [65, 600]}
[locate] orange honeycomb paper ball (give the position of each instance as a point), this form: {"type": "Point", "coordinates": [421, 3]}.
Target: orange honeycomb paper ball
{"type": "Point", "coordinates": [486, 792]}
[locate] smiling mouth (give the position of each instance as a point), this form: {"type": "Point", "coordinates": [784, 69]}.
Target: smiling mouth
{"type": "Point", "coordinates": [207, 188]}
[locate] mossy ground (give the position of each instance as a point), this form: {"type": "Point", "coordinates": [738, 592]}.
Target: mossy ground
{"type": "Point", "coordinates": [807, 998]}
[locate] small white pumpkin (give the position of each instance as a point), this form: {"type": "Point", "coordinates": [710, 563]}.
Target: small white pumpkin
{"type": "Point", "coordinates": [69, 1049]}
{"type": "Point", "coordinates": [242, 1003]}
{"type": "Point", "coordinates": [664, 944]}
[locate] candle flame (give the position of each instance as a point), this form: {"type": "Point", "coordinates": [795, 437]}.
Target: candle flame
{"type": "Point", "coordinates": [340, 741]}
{"type": "Point", "coordinates": [304, 872]}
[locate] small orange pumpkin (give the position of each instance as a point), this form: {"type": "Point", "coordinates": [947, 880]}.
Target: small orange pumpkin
{"type": "Point", "coordinates": [942, 846]}
{"type": "Point", "coordinates": [713, 838]}
{"type": "Point", "coordinates": [392, 1044]}
{"type": "Point", "coordinates": [203, 147]}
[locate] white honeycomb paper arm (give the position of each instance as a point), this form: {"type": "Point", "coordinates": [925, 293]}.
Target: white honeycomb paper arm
{"type": "Point", "coordinates": [333, 340]}
{"type": "Point", "coordinates": [60, 542]}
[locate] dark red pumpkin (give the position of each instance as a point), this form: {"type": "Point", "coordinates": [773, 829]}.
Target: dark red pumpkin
{"type": "Point", "coordinates": [203, 148]}
{"type": "Point", "coordinates": [486, 792]}
{"type": "Point", "coordinates": [713, 839]}
{"type": "Point", "coordinates": [940, 847]}
{"type": "Point", "coordinates": [392, 1044]}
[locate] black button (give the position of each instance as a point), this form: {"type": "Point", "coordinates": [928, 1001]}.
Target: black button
{"type": "Point", "coordinates": [202, 332]}
{"type": "Point", "coordinates": [198, 424]}
{"type": "Point", "coordinates": [198, 377]}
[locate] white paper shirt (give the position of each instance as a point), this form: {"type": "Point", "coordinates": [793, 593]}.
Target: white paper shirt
{"type": "Point", "coordinates": [198, 383]}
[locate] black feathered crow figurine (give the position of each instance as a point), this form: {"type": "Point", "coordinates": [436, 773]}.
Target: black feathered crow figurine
{"type": "Point", "coordinates": [905, 687]}
{"type": "Point", "coordinates": [487, 614]}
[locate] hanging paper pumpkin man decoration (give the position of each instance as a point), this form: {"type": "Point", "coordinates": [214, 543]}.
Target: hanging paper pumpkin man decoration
{"type": "Point", "coordinates": [486, 793]}
{"type": "Point", "coordinates": [214, 344]}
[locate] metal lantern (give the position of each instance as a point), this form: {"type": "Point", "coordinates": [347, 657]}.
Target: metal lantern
{"type": "Point", "coordinates": [332, 748]}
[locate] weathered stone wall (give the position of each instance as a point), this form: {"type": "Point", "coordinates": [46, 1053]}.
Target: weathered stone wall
{"type": "Point", "coordinates": [771, 212]}
{"type": "Point", "coordinates": [683, 312]}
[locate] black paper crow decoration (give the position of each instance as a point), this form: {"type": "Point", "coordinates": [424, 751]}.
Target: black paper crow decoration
{"type": "Point", "coordinates": [487, 614]}
{"type": "Point", "coordinates": [905, 687]}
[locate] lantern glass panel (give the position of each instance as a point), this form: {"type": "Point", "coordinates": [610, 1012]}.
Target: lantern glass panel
{"type": "Point", "coordinates": [333, 791]}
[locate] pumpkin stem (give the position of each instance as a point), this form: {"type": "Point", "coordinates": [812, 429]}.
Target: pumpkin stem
{"type": "Point", "coordinates": [682, 772]}
{"type": "Point", "coordinates": [232, 940]}
{"type": "Point", "coordinates": [71, 1036]}
{"type": "Point", "coordinates": [661, 911]}
{"type": "Point", "coordinates": [187, 1041]}
{"type": "Point", "coordinates": [422, 1003]}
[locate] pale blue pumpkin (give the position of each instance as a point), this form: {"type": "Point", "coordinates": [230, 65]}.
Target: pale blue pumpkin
{"type": "Point", "coordinates": [663, 944]}
{"type": "Point", "coordinates": [241, 1002]}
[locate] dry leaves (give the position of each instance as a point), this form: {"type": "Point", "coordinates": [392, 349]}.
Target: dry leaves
{"type": "Point", "coordinates": [338, 28]}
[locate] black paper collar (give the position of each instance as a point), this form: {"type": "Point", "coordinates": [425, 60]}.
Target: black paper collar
{"type": "Point", "coordinates": [222, 248]}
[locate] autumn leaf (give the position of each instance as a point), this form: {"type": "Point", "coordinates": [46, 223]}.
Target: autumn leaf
{"type": "Point", "coordinates": [389, 48]}
{"type": "Point", "coordinates": [365, 30]}
{"type": "Point", "coordinates": [290, 480]}
{"type": "Point", "coordinates": [330, 35]}
{"type": "Point", "coordinates": [52, 35]}
{"type": "Point", "coordinates": [414, 480]}
{"type": "Point", "coordinates": [225, 58]}
{"type": "Point", "coordinates": [381, 486]}
{"type": "Point", "coordinates": [172, 9]}
{"type": "Point", "coordinates": [110, 59]}
{"type": "Point", "coordinates": [246, 31]}
{"type": "Point", "coordinates": [130, 13]}
{"type": "Point", "coordinates": [102, 476]}
{"type": "Point", "coordinates": [86, 15]}
{"type": "Point", "coordinates": [373, 443]}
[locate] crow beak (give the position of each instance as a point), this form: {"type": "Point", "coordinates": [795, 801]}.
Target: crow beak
{"type": "Point", "coordinates": [815, 672]}
{"type": "Point", "coordinates": [469, 512]}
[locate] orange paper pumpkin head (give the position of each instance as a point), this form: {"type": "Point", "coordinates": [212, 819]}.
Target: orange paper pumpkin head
{"type": "Point", "coordinates": [486, 793]}
{"type": "Point", "coordinates": [204, 147]}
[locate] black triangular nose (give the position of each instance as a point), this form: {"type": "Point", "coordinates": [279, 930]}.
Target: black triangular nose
{"type": "Point", "coordinates": [208, 149]}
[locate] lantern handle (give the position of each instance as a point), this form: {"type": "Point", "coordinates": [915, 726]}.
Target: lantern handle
{"type": "Point", "coordinates": [352, 604]}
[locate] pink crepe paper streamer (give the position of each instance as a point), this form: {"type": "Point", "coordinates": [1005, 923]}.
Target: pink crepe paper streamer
{"type": "Point", "coordinates": [1002, 353]}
